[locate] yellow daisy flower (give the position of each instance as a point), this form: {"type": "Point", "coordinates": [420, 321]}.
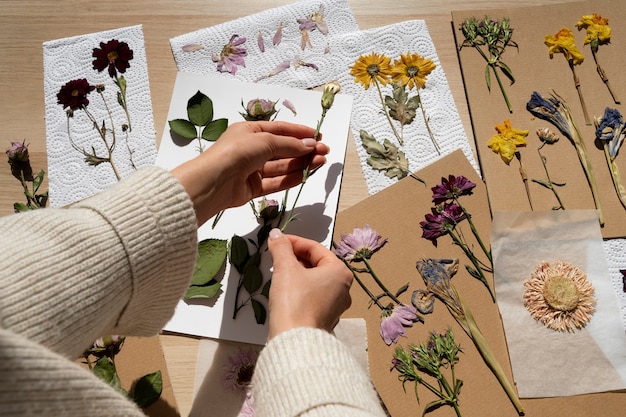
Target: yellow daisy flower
{"type": "Point", "coordinates": [564, 43]}
{"type": "Point", "coordinates": [411, 70]}
{"type": "Point", "coordinates": [559, 296]}
{"type": "Point", "coordinates": [597, 27]}
{"type": "Point", "coordinates": [506, 141]}
{"type": "Point", "coordinates": [370, 69]}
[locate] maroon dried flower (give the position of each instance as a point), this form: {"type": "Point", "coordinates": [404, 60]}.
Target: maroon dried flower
{"type": "Point", "coordinates": [442, 221]}
{"type": "Point", "coordinates": [74, 94]}
{"type": "Point", "coordinates": [452, 188]}
{"type": "Point", "coordinates": [113, 55]}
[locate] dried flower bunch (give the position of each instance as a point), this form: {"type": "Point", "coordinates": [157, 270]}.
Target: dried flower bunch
{"type": "Point", "coordinates": [114, 56]}
{"type": "Point", "coordinates": [408, 72]}
{"type": "Point", "coordinates": [490, 38]}
{"type": "Point", "coordinates": [559, 296]}
{"type": "Point", "coordinates": [610, 132]}
{"type": "Point", "coordinates": [505, 143]}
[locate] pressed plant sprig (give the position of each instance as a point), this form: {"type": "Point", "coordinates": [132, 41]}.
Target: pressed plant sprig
{"type": "Point", "coordinates": [610, 132]}
{"type": "Point", "coordinates": [556, 111]}
{"type": "Point", "coordinates": [598, 33]}
{"type": "Point", "coordinates": [435, 358]}
{"type": "Point", "coordinates": [359, 246]}
{"type": "Point", "coordinates": [490, 38]}
{"type": "Point", "coordinates": [563, 42]}
{"type": "Point", "coordinates": [437, 274]}
{"type": "Point", "coordinates": [505, 143]}
{"type": "Point", "coordinates": [546, 137]}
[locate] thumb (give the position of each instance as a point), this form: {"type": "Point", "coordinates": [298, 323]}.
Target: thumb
{"type": "Point", "coordinates": [280, 248]}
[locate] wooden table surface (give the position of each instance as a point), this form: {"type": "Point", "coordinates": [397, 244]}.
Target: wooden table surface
{"type": "Point", "coordinates": [25, 24]}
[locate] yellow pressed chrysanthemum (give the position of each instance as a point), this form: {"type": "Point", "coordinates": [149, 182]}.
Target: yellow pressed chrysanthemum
{"type": "Point", "coordinates": [370, 69]}
{"type": "Point", "coordinates": [411, 70]}
{"type": "Point", "coordinates": [559, 296]}
{"type": "Point", "coordinates": [506, 141]}
{"type": "Point", "coordinates": [564, 43]}
{"type": "Point", "coordinates": [598, 29]}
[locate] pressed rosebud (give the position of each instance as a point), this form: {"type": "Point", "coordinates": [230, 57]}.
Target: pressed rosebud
{"type": "Point", "coordinates": [17, 152]}
{"type": "Point", "coordinates": [268, 209]}
{"type": "Point", "coordinates": [259, 109]}
{"type": "Point", "coordinates": [547, 136]}
{"type": "Point", "coordinates": [328, 97]}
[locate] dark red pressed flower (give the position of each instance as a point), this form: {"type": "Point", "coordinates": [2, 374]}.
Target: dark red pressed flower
{"type": "Point", "coordinates": [442, 221]}
{"type": "Point", "coordinates": [74, 94]}
{"type": "Point", "coordinates": [113, 55]}
{"type": "Point", "coordinates": [452, 188]}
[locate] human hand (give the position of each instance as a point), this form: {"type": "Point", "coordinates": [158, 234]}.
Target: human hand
{"type": "Point", "coordinates": [310, 285]}
{"type": "Point", "coordinates": [250, 159]}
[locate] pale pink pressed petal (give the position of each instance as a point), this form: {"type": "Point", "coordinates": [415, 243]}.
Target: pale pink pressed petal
{"type": "Point", "coordinates": [192, 47]}
{"type": "Point", "coordinates": [322, 26]}
{"type": "Point", "coordinates": [236, 40]}
{"type": "Point", "coordinates": [261, 42]}
{"type": "Point", "coordinates": [278, 36]}
{"type": "Point", "coordinates": [290, 106]}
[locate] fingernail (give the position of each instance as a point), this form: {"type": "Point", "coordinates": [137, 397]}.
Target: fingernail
{"type": "Point", "coordinates": [275, 233]}
{"type": "Point", "coordinates": [310, 142]}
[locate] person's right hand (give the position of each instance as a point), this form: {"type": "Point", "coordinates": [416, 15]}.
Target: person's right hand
{"type": "Point", "coordinates": [310, 285]}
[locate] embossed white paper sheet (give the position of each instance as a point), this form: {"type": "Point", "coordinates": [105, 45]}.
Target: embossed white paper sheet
{"type": "Point", "coordinates": [259, 64]}
{"type": "Point", "coordinates": [70, 177]}
{"type": "Point", "coordinates": [445, 123]}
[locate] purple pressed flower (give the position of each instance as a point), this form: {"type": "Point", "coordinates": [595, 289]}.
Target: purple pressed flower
{"type": "Point", "coordinates": [452, 188]}
{"type": "Point", "coordinates": [360, 244]}
{"type": "Point", "coordinates": [247, 408]}
{"type": "Point", "coordinates": [610, 128]}
{"type": "Point", "coordinates": [442, 221]}
{"type": "Point", "coordinates": [17, 152]}
{"type": "Point", "coordinates": [232, 55]}
{"type": "Point", "coordinates": [238, 372]}
{"type": "Point", "coordinates": [290, 106]}
{"type": "Point", "coordinates": [113, 55]}
{"type": "Point", "coordinates": [392, 323]}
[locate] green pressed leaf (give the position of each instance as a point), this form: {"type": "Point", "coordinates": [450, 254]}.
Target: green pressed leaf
{"type": "Point", "coordinates": [210, 290]}
{"type": "Point", "coordinates": [402, 289]}
{"type": "Point", "coordinates": [214, 130]}
{"type": "Point", "coordinates": [200, 109]}
{"type": "Point", "coordinates": [260, 314]}
{"type": "Point", "coordinates": [266, 289]}
{"type": "Point", "coordinates": [239, 254]}
{"type": "Point", "coordinates": [148, 389]}
{"type": "Point", "coordinates": [38, 180]}
{"type": "Point", "coordinates": [18, 207]}
{"type": "Point", "coordinates": [488, 77]}
{"type": "Point", "coordinates": [385, 157]}
{"type": "Point", "coordinates": [252, 278]}
{"type": "Point", "coordinates": [212, 255]}
{"type": "Point", "coordinates": [507, 71]}
{"type": "Point", "coordinates": [183, 128]}
{"type": "Point", "coordinates": [105, 370]}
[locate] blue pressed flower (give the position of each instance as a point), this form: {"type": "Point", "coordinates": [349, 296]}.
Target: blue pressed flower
{"type": "Point", "coordinates": [609, 128]}
{"type": "Point", "coordinates": [548, 110]}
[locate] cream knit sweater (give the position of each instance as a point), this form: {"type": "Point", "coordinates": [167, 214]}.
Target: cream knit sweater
{"type": "Point", "coordinates": [117, 263]}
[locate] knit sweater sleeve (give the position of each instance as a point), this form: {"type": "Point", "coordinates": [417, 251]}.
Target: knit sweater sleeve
{"type": "Point", "coordinates": [308, 372]}
{"type": "Point", "coordinates": [115, 263]}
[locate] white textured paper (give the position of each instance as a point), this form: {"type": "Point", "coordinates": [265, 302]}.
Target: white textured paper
{"type": "Point", "coordinates": [316, 208]}
{"type": "Point", "coordinates": [70, 177]}
{"type": "Point", "coordinates": [615, 250]}
{"type": "Point", "coordinates": [547, 363]}
{"type": "Point", "coordinates": [445, 123]}
{"type": "Point", "coordinates": [338, 17]}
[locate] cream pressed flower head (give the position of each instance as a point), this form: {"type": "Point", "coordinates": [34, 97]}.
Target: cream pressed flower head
{"type": "Point", "coordinates": [559, 296]}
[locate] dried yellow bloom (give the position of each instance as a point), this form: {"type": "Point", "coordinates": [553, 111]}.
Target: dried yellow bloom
{"type": "Point", "coordinates": [411, 70]}
{"type": "Point", "coordinates": [370, 69]}
{"type": "Point", "coordinates": [506, 141]}
{"type": "Point", "coordinates": [559, 296]}
{"type": "Point", "coordinates": [598, 29]}
{"type": "Point", "coordinates": [564, 43]}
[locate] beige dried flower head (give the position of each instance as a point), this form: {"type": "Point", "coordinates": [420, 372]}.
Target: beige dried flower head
{"type": "Point", "coordinates": [559, 296]}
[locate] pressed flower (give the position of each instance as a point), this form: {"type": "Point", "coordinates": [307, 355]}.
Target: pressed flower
{"type": "Point", "coordinates": [268, 209]}
{"type": "Point", "coordinates": [259, 109]}
{"type": "Point", "coordinates": [452, 188]}
{"type": "Point", "coordinates": [331, 89]}
{"type": "Point", "coordinates": [437, 274]}
{"type": "Point", "coordinates": [610, 132]}
{"type": "Point", "coordinates": [411, 70]}
{"type": "Point", "coordinates": [278, 36]}
{"type": "Point", "coordinates": [394, 321]}
{"type": "Point", "coordinates": [371, 69]}
{"type": "Point", "coordinates": [247, 408]}
{"type": "Point", "coordinates": [559, 296]}
{"type": "Point", "coordinates": [360, 244]}
{"type": "Point", "coordinates": [442, 221]}
{"type": "Point", "coordinates": [563, 42]}
{"type": "Point", "coordinates": [314, 21]}
{"type": "Point", "coordinates": [506, 141]}
{"type": "Point", "coordinates": [232, 55]}
{"type": "Point", "coordinates": [113, 55]}
{"type": "Point", "coordinates": [239, 369]}
{"type": "Point", "coordinates": [547, 137]}
{"type": "Point", "coordinates": [556, 111]}
{"type": "Point", "coordinates": [73, 94]}
{"type": "Point", "coordinates": [17, 152]}
{"type": "Point", "coordinates": [423, 301]}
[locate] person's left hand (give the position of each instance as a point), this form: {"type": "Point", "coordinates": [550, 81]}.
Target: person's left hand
{"type": "Point", "coordinates": [250, 159]}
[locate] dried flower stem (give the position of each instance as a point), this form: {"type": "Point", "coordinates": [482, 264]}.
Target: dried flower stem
{"type": "Point", "coordinates": [430, 132]}
{"type": "Point", "coordinates": [475, 232]}
{"type": "Point", "coordinates": [524, 175]}
{"type": "Point", "coordinates": [382, 101]}
{"type": "Point", "coordinates": [580, 93]}
{"type": "Point", "coordinates": [604, 78]}
{"type": "Point", "coordinates": [615, 175]}
{"type": "Point", "coordinates": [550, 184]}
{"type": "Point", "coordinates": [477, 264]}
